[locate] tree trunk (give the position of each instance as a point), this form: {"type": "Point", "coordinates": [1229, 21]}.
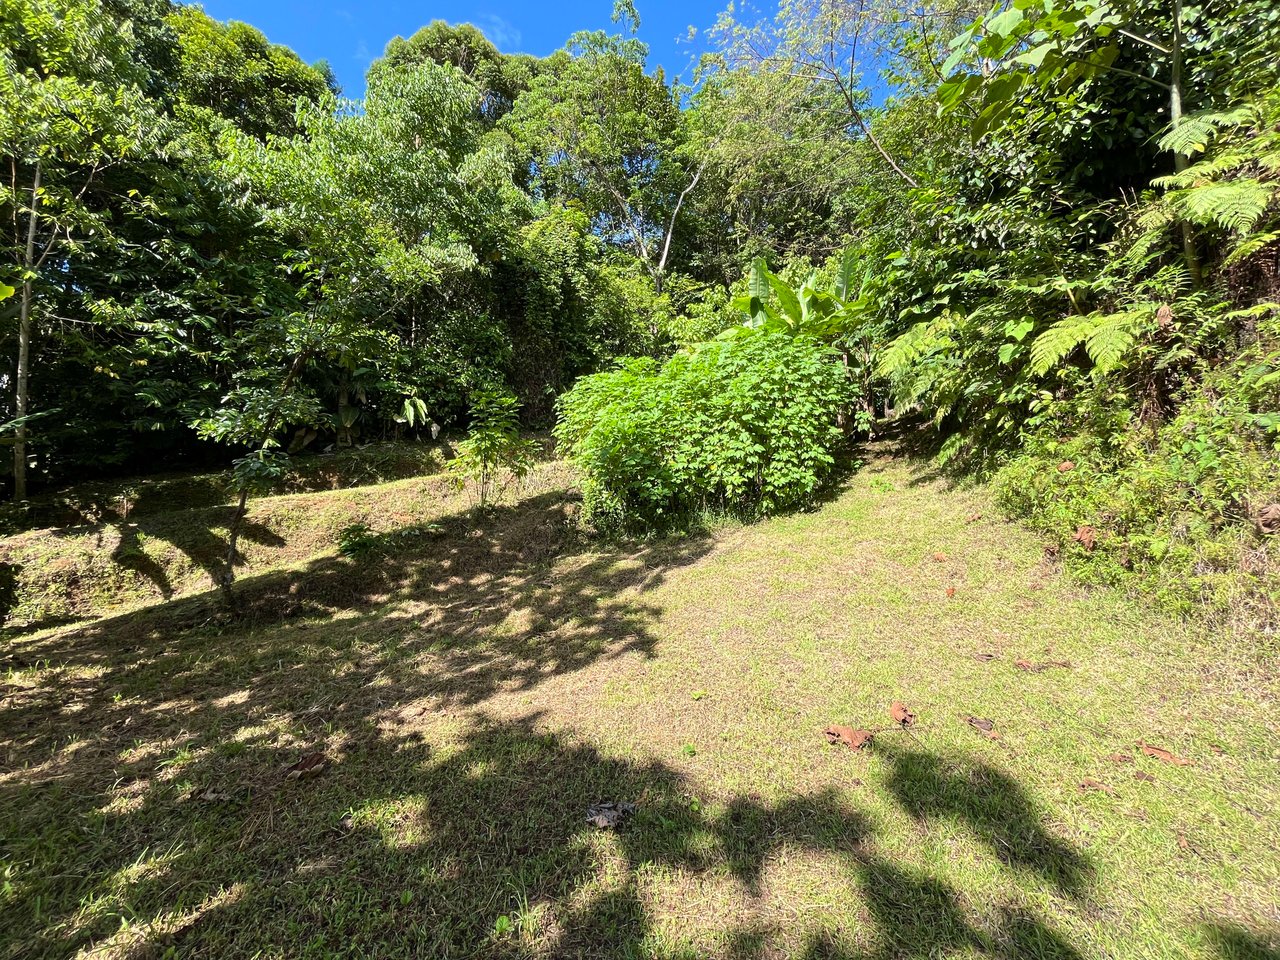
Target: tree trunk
{"type": "Point", "coordinates": [1180, 161]}
{"type": "Point", "coordinates": [228, 576]}
{"type": "Point", "coordinates": [24, 346]}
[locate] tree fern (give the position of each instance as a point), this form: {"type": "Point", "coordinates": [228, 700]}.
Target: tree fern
{"type": "Point", "coordinates": [1251, 245]}
{"type": "Point", "coordinates": [1055, 344]}
{"type": "Point", "coordinates": [1107, 339]}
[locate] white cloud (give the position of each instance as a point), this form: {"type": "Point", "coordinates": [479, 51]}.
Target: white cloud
{"type": "Point", "coordinates": [503, 34]}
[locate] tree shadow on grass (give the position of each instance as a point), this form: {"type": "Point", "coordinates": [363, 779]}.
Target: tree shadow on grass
{"type": "Point", "coordinates": [1234, 942]}
{"type": "Point", "coordinates": [990, 804]}
{"type": "Point", "coordinates": [480, 847]}
{"type": "Point", "coordinates": [202, 546]}
{"type": "Point", "coordinates": [145, 804]}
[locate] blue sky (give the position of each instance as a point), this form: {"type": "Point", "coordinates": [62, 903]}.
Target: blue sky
{"type": "Point", "coordinates": [351, 33]}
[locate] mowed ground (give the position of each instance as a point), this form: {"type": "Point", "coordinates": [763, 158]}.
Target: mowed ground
{"type": "Point", "coordinates": [475, 681]}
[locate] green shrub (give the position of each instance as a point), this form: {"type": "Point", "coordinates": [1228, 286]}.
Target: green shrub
{"type": "Point", "coordinates": [744, 425]}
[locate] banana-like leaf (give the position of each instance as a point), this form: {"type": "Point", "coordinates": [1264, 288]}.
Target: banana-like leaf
{"type": "Point", "coordinates": [845, 275]}
{"type": "Point", "coordinates": [787, 298]}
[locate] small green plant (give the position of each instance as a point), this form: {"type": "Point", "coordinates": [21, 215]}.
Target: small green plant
{"type": "Point", "coordinates": [355, 540]}
{"type": "Point", "coordinates": [493, 454]}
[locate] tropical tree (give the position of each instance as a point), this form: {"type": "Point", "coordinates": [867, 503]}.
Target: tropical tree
{"type": "Point", "coordinates": [71, 107]}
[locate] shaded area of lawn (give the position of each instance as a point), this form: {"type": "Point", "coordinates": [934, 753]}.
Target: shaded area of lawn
{"type": "Point", "coordinates": [144, 805]}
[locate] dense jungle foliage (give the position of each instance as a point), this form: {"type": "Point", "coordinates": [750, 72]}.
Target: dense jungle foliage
{"type": "Point", "coordinates": [1051, 230]}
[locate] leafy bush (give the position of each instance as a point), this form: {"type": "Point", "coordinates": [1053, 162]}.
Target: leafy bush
{"type": "Point", "coordinates": [744, 425]}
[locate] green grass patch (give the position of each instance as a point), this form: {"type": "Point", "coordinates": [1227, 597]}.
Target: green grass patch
{"type": "Point", "coordinates": [474, 687]}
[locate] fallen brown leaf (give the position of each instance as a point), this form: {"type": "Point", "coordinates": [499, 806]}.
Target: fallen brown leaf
{"type": "Point", "coordinates": [1182, 842]}
{"type": "Point", "coordinates": [1120, 758]}
{"type": "Point", "coordinates": [1216, 749]}
{"type": "Point", "coordinates": [900, 714]}
{"type": "Point", "coordinates": [939, 558]}
{"type": "Point", "coordinates": [1144, 777]}
{"type": "Point", "coordinates": [1088, 783]}
{"type": "Point", "coordinates": [984, 726]}
{"type": "Point", "coordinates": [311, 765]}
{"type": "Point", "coordinates": [853, 739]}
{"type": "Point", "coordinates": [1027, 665]}
{"type": "Point", "coordinates": [1160, 753]}
{"type": "Point", "coordinates": [1086, 536]}
{"type": "Point", "coordinates": [1268, 519]}
{"type": "Point", "coordinates": [974, 517]}
{"type": "Point", "coordinates": [1066, 466]}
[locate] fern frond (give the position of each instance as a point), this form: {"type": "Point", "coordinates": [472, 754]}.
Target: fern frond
{"type": "Point", "coordinates": [1196, 131]}
{"type": "Point", "coordinates": [1249, 246]}
{"type": "Point", "coordinates": [1235, 205]}
{"type": "Point", "coordinates": [1056, 343]}
{"type": "Point", "coordinates": [906, 349]}
{"type": "Point", "coordinates": [1208, 169]}
{"type": "Point", "coordinates": [1114, 336]}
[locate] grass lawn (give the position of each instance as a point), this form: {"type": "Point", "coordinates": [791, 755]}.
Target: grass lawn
{"type": "Point", "coordinates": [475, 682]}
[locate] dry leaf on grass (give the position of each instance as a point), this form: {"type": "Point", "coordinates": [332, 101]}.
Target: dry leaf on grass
{"type": "Point", "coordinates": [611, 815]}
{"type": "Point", "coordinates": [1120, 758]}
{"type": "Point", "coordinates": [1216, 749]}
{"type": "Point", "coordinates": [974, 517]}
{"type": "Point", "coordinates": [310, 765]}
{"type": "Point", "coordinates": [900, 714]}
{"type": "Point", "coordinates": [984, 726]}
{"type": "Point", "coordinates": [1065, 466]}
{"type": "Point", "coordinates": [1086, 536]}
{"type": "Point", "coordinates": [1088, 783]}
{"type": "Point", "coordinates": [939, 558]}
{"type": "Point", "coordinates": [1030, 667]}
{"type": "Point", "coordinates": [1268, 519]}
{"type": "Point", "coordinates": [1160, 753]}
{"type": "Point", "coordinates": [1144, 777]}
{"type": "Point", "coordinates": [853, 739]}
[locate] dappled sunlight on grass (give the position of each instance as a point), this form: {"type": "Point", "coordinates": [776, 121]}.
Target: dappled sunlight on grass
{"type": "Point", "coordinates": [474, 688]}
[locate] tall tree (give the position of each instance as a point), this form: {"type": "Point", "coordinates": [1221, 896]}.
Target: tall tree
{"type": "Point", "coordinates": [71, 106]}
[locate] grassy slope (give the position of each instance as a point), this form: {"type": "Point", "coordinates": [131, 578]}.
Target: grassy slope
{"type": "Point", "coordinates": [475, 688]}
